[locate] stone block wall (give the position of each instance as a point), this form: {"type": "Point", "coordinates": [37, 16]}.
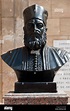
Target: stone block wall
{"type": "Point", "coordinates": [11, 31]}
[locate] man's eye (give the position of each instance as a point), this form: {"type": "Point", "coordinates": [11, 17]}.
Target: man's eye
{"type": "Point", "coordinates": [39, 25]}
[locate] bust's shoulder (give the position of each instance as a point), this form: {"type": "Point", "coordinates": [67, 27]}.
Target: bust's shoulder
{"type": "Point", "coordinates": [16, 50]}
{"type": "Point", "coordinates": [59, 51]}
{"type": "Point", "coordinates": [14, 54]}
{"type": "Point", "coordinates": [56, 57]}
{"type": "Point", "coordinates": [15, 57]}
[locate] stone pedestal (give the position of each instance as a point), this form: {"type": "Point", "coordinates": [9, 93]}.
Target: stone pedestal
{"type": "Point", "coordinates": [35, 87]}
{"type": "Point", "coordinates": [58, 98]}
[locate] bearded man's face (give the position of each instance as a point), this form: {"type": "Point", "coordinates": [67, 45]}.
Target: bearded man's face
{"type": "Point", "coordinates": [35, 34]}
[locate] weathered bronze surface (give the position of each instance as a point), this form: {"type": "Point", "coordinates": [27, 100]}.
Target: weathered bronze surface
{"type": "Point", "coordinates": [35, 62]}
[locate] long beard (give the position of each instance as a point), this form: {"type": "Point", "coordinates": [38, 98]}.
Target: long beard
{"type": "Point", "coordinates": [35, 41]}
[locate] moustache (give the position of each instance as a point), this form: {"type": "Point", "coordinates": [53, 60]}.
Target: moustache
{"type": "Point", "coordinates": [35, 34]}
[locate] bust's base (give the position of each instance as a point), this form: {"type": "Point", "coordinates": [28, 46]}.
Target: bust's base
{"type": "Point", "coordinates": [59, 98]}
{"type": "Point", "coordinates": [35, 87]}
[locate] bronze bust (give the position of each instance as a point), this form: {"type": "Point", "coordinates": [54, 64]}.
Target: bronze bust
{"type": "Point", "coordinates": [35, 64]}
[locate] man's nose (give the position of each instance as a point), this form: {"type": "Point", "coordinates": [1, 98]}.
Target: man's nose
{"type": "Point", "coordinates": [35, 28]}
